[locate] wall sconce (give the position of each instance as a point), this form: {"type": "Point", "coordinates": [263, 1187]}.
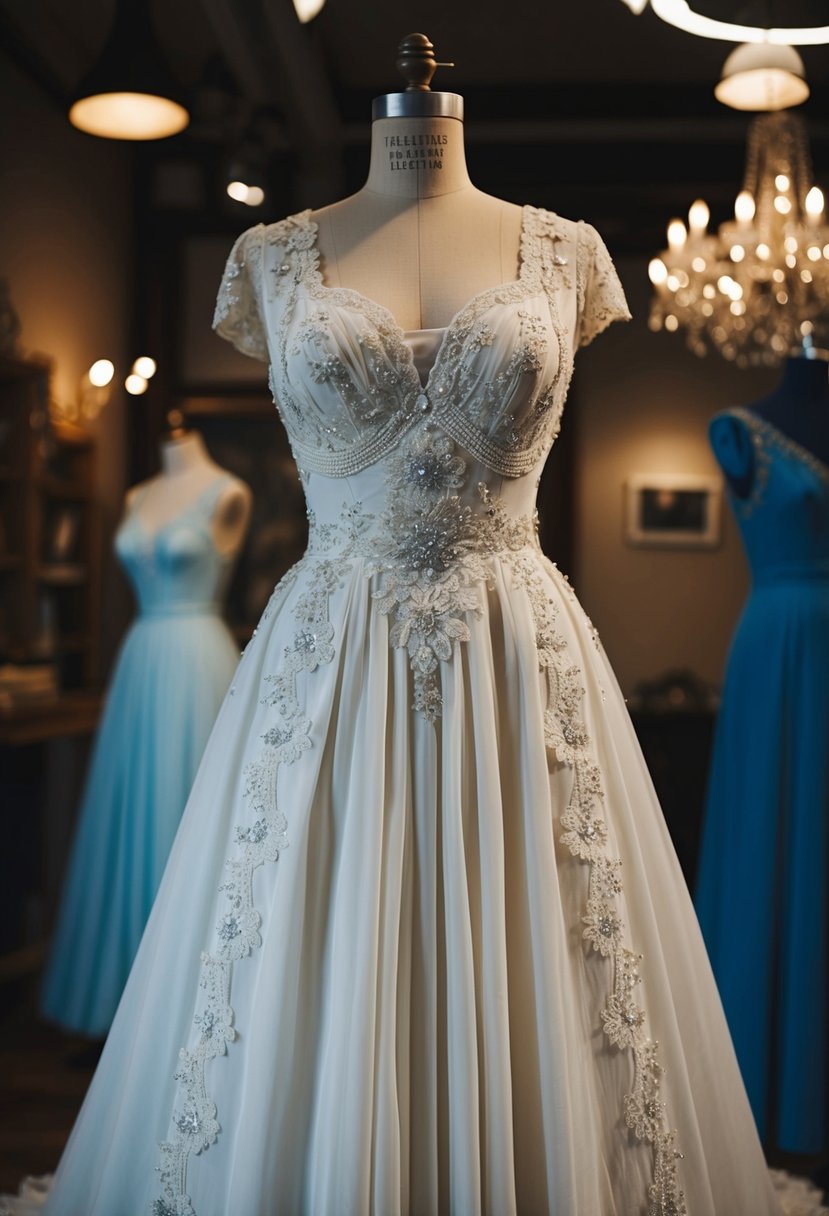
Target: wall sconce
{"type": "Point", "coordinates": [143, 370]}
{"type": "Point", "coordinates": [95, 388]}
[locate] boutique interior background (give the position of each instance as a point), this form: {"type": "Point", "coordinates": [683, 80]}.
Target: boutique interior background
{"type": "Point", "coordinates": [116, 249]}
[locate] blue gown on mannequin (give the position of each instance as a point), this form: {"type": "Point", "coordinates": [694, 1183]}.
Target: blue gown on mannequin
{"type": "Point", "coordinates": [762, 886]}
{"type": "Point", "coordinates": [171, 674]}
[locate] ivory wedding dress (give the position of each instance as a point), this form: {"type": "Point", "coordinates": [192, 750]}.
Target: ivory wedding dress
{"type": "Point", "coordinates": [423, 945]}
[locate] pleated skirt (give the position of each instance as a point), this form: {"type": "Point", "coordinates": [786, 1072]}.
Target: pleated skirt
{"type": "Point", "coordinates": [368, 984]}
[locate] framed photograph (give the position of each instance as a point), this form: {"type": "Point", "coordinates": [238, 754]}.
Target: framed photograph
{"type": "Point", "coordinates": [673, 511]}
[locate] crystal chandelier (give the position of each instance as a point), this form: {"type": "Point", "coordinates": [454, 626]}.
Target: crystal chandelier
{"type": "Point", "coordinates": [758, 290]}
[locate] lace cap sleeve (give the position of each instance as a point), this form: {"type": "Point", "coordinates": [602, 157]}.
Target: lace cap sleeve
{"type": "Point", "coordinates": [237, 316]}
{"type": "Point", "coordinates": [601, 296]}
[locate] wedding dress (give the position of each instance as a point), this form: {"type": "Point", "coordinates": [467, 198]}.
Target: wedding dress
{"type": "Point", "coordinates": [423, 945]}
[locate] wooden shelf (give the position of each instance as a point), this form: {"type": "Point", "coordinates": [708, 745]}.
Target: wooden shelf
{"type": "Point", "coordinates": [47, 480]}
{"type": "Point", "coordinates": [63, 574]}
{"type": "Point", "coordinates": [71, 713]}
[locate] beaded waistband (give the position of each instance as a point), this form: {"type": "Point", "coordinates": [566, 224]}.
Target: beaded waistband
{"type": "Point", "coordinates": [429, 538]}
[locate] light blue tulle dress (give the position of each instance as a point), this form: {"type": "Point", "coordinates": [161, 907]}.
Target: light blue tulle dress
{"type": "Point", "coordinates": [762, 887]}
{"type": "Point", "coordinates": [173, 670]}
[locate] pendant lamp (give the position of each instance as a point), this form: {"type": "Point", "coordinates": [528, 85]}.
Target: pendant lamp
{"type": "Point", "coordinates": [129, 93]}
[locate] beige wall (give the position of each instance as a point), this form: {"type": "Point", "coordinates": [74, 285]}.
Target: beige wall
{"type": "Point", "coordinates": [65, 242]}
{"type": "Point", "coordinates": [642, 404]}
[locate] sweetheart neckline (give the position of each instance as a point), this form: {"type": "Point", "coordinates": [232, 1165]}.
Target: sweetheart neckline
{"type": "Point", "coordinates": [366, 305]}
{"type": "Point", "coordinates": [151, 537]}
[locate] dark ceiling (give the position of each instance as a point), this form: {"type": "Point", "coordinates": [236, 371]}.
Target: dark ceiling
{"type": "Point", "coordinates": [579, 106]}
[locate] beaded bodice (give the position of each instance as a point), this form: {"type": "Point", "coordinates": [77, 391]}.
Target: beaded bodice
{"type": "Point", "coordinates": [344, 378]}
{"type": "Point", "coordinates": [784, 520]}
{"type": "Point", "coordinates": [423, 469]}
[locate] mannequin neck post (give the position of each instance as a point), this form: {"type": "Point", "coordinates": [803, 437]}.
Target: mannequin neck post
{"type": "Point", "coordinates": [182, 455]}
{"type": "Point", "coordinates": [414, 158]}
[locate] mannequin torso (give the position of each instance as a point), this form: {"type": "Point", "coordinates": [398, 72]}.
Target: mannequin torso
{"type": "Point", "coordinates": [419, 238]}
{"type": "Point", "coordinates": [188, 472]}
{"type": "Point", "coordinates": [798, 408]}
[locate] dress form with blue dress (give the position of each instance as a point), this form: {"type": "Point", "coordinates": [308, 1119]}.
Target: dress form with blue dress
{"type": "Point", "coordinates": [172, 671]}
{"type": "Point", "coordinates": [762, 886]}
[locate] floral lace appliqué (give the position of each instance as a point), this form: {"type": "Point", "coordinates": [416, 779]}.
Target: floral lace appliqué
{"type": "Point", "coordinates": [260, 838]}
{"type": "Point", "coordinates": [432, 556]}
{"type": "Point", "coordinates": [585, 836]}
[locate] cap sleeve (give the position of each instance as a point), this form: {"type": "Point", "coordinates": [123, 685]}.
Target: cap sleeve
{"type": "Point", "coordinates": [601, 297]}
{"type": "Point", "coordinates": [237, 316]}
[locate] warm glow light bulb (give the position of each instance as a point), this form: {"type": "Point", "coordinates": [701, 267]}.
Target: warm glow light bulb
{"type": "Point", "coordinates": [782, 204]}
{"type": "Point", "coordinates": [238, 191]}
{"type": "Point", "coordinates": [698, 216]}
{"type": "Point", "coordinates": [306, 10]}
{"type": "Point", "coordinates": [657, 271]}
{"type": "Point", "coordinates": [744, 207]}
{"type": "Point", "coordinates": [145, 367]}
{"type": "Point", "coordinates": [135, 385]}
{"type": "Point", "coordinates": [251, 196]}
{"type": "Point", "coordinates": [677, 234]}
{"type": "Point", "coordinates": [101, 372]}
{"type": "Point", "coordinates": [814, 201]}
{"type": "Point", "coordinates": [781, 181]}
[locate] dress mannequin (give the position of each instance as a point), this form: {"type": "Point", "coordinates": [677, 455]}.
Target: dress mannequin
{"type": "Point", "coordinates": [187, 472]}
{"type": "Point", "coordinates": [411, 805]}
{"type": "Point", "coordinates": [418, 237]}
{"type": "Point", "coordinates": [180, 534]}
{"type": "Point", "coordinates": [798, 408]}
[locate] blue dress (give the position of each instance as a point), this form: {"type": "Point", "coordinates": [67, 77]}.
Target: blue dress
{"type": "Point", "coordinates": [762, 887]}
{"type": "Point", "coordinates": [171, 674]}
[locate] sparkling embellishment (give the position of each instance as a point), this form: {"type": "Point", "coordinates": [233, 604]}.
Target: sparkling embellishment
{"type": "Point", "coordinates": [585, 836]}
{"type": "Point", "coordinates": [423, 403]}
{"type": "Point", "coordinates": [228, 929]}
{"type": "Point", "coordinates": [188, 1122]}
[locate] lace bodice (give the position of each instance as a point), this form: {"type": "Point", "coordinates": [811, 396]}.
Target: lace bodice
{"type": "Point", "coordinates": [344, 377]}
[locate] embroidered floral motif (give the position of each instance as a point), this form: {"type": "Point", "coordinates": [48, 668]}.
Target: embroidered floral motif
{"type": "Point", "coordinates": [194, 1123]}
{"type": "Point", "coordinates": [432, 555]}
{"type": "Point", "coordinates": [506, 420]}
{"type": "Point", "coordinates": [585, 836]}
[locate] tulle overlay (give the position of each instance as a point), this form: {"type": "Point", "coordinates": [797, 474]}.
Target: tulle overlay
{"type": "Point", "coordinates": [162, 703]}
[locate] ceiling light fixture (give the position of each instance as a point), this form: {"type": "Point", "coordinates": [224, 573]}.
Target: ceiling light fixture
{"type": "Point", "coordinates": [680, 14]}
{"type": "Point", "coordinates": [306, 10]}
{"type": "Point", "coordinates": [128, 93]}
{"type": "Point", "coordinates": [756, 289]}
{"type": "Point", "coordinates": [762, 76]}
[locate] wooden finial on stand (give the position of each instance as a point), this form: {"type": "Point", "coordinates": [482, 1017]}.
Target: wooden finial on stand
{"type": "Point", "coordinates": [416, 62]}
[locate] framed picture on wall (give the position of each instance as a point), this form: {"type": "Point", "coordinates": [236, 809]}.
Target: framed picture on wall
{"type": "Point", "coordinates": [673, 511]}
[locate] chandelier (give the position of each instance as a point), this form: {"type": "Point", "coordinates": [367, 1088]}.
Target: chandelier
{"type": "Point", "coordinates": [758, 289]}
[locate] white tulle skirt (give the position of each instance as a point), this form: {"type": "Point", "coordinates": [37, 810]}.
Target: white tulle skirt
{"type": "Point", "coordinates": [385, 963]}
